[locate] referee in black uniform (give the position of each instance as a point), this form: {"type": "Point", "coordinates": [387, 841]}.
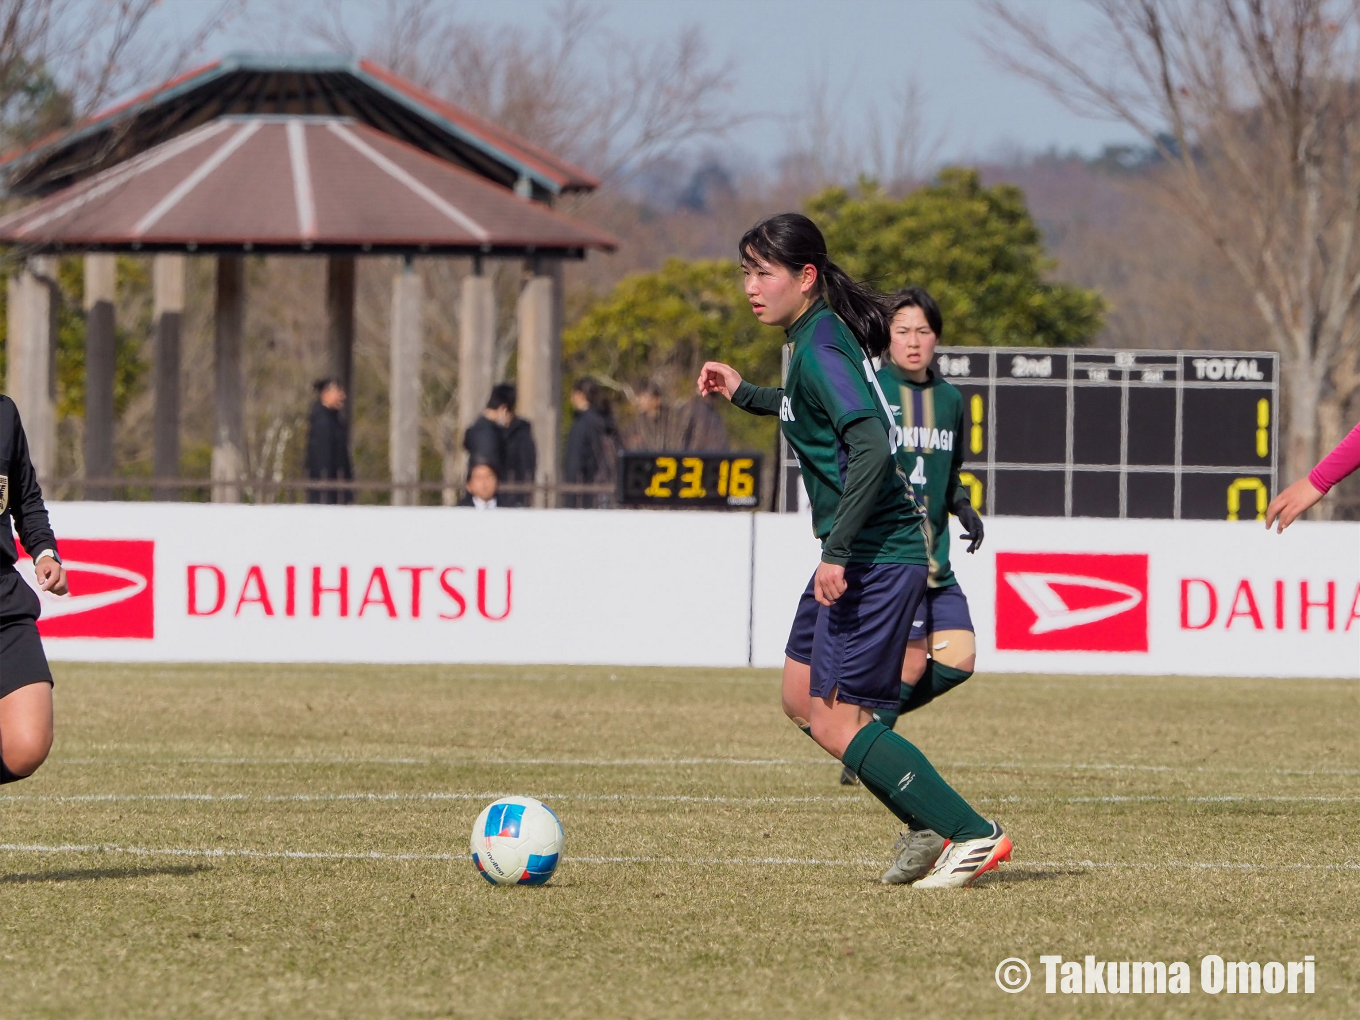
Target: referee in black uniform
{"type": "Point", "coordinates": [25, 680]}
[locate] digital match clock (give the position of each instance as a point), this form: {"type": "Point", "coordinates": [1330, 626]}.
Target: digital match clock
{"type": "Point", "coordinates": [688, 479]}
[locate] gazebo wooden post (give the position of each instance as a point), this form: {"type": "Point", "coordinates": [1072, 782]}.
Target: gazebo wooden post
{"type": "Point", "coordinates": [229, 435]}
{"type": "Point", "coordinates": [404, 384]}
{"type": "Point", "coordinates": [538, 314]}
{"type": "Point", "coordinates": [168, 281]}
{"type": "Point", "coordinates": [30, 356]}
{"type": "Point", "coordinates": [476, 360]}
{"type": "Point", "coordinates": [100, 366]}
{"type": "Point", "coordinates": [340, 319]}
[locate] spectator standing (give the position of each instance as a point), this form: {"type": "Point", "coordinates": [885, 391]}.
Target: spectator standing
{"type": "Point", "coordinates": [521, 453]}
{"type": "Point", "coordinates": [482, 484]}
{"type": "Point", "coordinates": [693, 425]}
{"type": "Point", "coordinates": [328, 443]}
{"type": "Point", "coordinates": [484, 439]}
{"type": "Point", "coordinates": [505, 442]}
{"type": "Point", "coordinates": [592, 443]}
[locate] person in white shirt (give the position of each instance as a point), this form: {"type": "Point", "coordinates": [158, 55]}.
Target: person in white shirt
{"type": "Point", "coordinates": [481, 487]}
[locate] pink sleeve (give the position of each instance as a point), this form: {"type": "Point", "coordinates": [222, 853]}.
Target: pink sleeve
{"type": "Point", "coordinates": [1337, 464]}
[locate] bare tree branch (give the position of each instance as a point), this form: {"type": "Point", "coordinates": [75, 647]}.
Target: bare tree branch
{"type": "Point", "coordinates": [1251, 106]}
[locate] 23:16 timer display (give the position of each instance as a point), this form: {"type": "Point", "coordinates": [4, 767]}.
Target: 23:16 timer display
{"type": "Point", "coordinates": [688, 479]}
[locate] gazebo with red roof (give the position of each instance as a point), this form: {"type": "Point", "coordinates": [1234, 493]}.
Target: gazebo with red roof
{"type": "Point", "coordinates": [320, 155]}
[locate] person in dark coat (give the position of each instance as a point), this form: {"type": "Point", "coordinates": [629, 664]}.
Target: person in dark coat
{"type": "Point", "coordinates": [328, 443]}
{"type": "Point", "coordinates": [504, 442]}
{"type": "Point", "coordinates": [521, 457]}
{"type": "Point", "coordinates": [592, 443]}
{"type": "Point", "coordinates": [484, 439]}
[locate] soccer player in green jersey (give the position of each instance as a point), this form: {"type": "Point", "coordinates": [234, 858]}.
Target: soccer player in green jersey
{"type": "Point", "coordinates": [941, 652]}
{"type": "Point", "coordinates": [849, 637]}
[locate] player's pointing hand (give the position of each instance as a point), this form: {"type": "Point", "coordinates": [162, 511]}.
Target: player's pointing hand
{"type": "Point", "coordinates": [1288, 505]}
{"type": "Point", "coordinates": [715, 377]}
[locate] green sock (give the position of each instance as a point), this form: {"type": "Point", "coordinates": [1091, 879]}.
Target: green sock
{"type": "Point", "coordinates": [905, 817]}
{"type": "Point", "coordinates": [888, 716]}
{"type": "Point", "coordinates": [936, 680]}
{"type": "Point", "coordinates": [897, 771]}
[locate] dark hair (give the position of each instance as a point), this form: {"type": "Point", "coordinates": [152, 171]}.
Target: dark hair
{"type": "Point", "coordinates": [591, 390]}
{"type": "Point", "coordinates": [793, 241]}
{"type": "Point", "coordinates": [502, 395]}
{"type": "Point", "coordinates": [322, 385]}
{"type": "Point", "coordinates": [919, 297]}
{"type": "Point", "coordinates": [651, 387]}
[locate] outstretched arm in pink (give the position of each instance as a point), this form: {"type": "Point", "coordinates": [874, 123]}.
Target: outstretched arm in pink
{"type": "Point", "coordinates": [1293, 501]}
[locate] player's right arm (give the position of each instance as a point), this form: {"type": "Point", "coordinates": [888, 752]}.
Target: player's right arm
{"type": "Point", "coordinates": [1290, 504]}
{"type": "Point", "coordinates": [715, 377]}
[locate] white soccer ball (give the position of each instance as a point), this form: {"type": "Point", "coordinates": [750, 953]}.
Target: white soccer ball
{"type": "Point", "coordinates": [517, 841]}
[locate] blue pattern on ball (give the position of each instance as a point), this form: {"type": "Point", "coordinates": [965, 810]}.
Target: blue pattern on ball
{"type": "Point", "coordinates": [539, 869]}
{"type": "Point", "coordinates": [504, 820]}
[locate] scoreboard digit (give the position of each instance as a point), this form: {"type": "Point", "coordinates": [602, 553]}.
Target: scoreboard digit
{"type": "Point", "coordinates": [1089, 433]}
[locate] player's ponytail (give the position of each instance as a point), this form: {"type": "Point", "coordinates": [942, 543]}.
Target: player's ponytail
{"type": "Point", "coordinates": [793, 241]}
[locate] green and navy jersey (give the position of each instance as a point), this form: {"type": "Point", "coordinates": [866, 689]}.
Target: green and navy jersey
{"type": "Point", "coordinates": [930, 452]}
{"type": "Point", "coordinates": [831, 384]}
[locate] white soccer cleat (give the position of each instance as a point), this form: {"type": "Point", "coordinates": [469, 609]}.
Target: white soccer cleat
{"type": "Point", "coordinates": [961, 863]}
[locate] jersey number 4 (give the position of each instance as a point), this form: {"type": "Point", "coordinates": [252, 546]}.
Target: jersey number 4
{"type": "Point", "coordinates": [918, 476]}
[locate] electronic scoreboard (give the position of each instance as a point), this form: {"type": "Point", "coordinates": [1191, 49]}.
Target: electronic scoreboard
{"type": "Point", "coordinates": [1077, 432]}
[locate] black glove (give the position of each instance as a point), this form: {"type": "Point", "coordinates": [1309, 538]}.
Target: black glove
{"type": "Point", "coordinates": [972, 523]}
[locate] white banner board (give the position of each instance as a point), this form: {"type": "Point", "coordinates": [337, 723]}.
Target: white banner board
{"type": "Point", "coordinates": [205, 583]}
{"type": "Point", "coordinates": [210, 583]}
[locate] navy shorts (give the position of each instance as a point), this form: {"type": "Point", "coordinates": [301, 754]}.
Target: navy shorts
{"type": "Point", "coordinates": [941, 609]}
{"type": "Point", "coordinates": [22, 660]}
{"type": "Point", "coordinates": [856, 646]}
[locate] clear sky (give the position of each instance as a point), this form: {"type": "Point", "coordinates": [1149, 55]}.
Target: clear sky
{"type": "Point", "coordinates": [862, 48]}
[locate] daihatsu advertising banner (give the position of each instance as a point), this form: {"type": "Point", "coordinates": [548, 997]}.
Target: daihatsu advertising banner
{"type": "Point", "coordinates": [206, 583]}
{"type": "Point", "coordinates": [195, 582]}
{"type": "Point", "coordinates": [1084, 595]}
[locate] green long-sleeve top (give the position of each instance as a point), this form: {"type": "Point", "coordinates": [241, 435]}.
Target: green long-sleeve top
{"type": "Point", "coordinates": [834, 415]}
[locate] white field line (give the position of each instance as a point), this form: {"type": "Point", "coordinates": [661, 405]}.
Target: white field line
{"type": "Point", "coordinates": [1019, 766]}
{"type": "Point", "coordinates": [653, 798]}
{"type": "Point", "coordinates": [302, 798]}
{"type": "Point", "coordinates": [379, 855]}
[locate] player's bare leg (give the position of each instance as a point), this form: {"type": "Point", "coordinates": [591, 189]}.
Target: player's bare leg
{"type": "Point", "coordinates": [835, 723]}
{"type": "Point", "coordinates": [25, 730]}
{"type": "Point", "coordinates": [795, 695]}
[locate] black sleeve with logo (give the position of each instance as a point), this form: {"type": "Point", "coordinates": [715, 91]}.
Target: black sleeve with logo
{"type": "Point", "coordinates": [21, 496]}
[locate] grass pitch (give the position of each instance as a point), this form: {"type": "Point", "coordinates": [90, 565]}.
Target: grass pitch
{"type": "Point", "coordinates": [197, 846]}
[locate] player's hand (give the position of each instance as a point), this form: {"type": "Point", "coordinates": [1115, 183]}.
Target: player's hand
{"type": "Point", "coordinates": [715, 377]}
{"type": "Point", "coordinates": [1288, 505]}
{"type": "Point", "coordinates": [828, 583]}
{"type": "Point", "coordinates": [972, 524]}
{"type": "Point", "coordinates": [51, 576]}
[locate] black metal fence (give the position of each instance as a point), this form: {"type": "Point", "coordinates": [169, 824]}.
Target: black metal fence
{"type": "Point", "coordinates": [260, 491]}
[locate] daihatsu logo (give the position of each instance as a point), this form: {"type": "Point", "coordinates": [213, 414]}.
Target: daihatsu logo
{"type": "Point", "coordinates": [1051, 611]}
{"type": "Point", "coordinates": [1072, 602]}
{"type": "Point", "coordinates": [112, 585]}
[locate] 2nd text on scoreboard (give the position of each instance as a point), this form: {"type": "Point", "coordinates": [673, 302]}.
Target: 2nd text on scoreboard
{"type": "Point", "coordinates": [1100, 433]}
